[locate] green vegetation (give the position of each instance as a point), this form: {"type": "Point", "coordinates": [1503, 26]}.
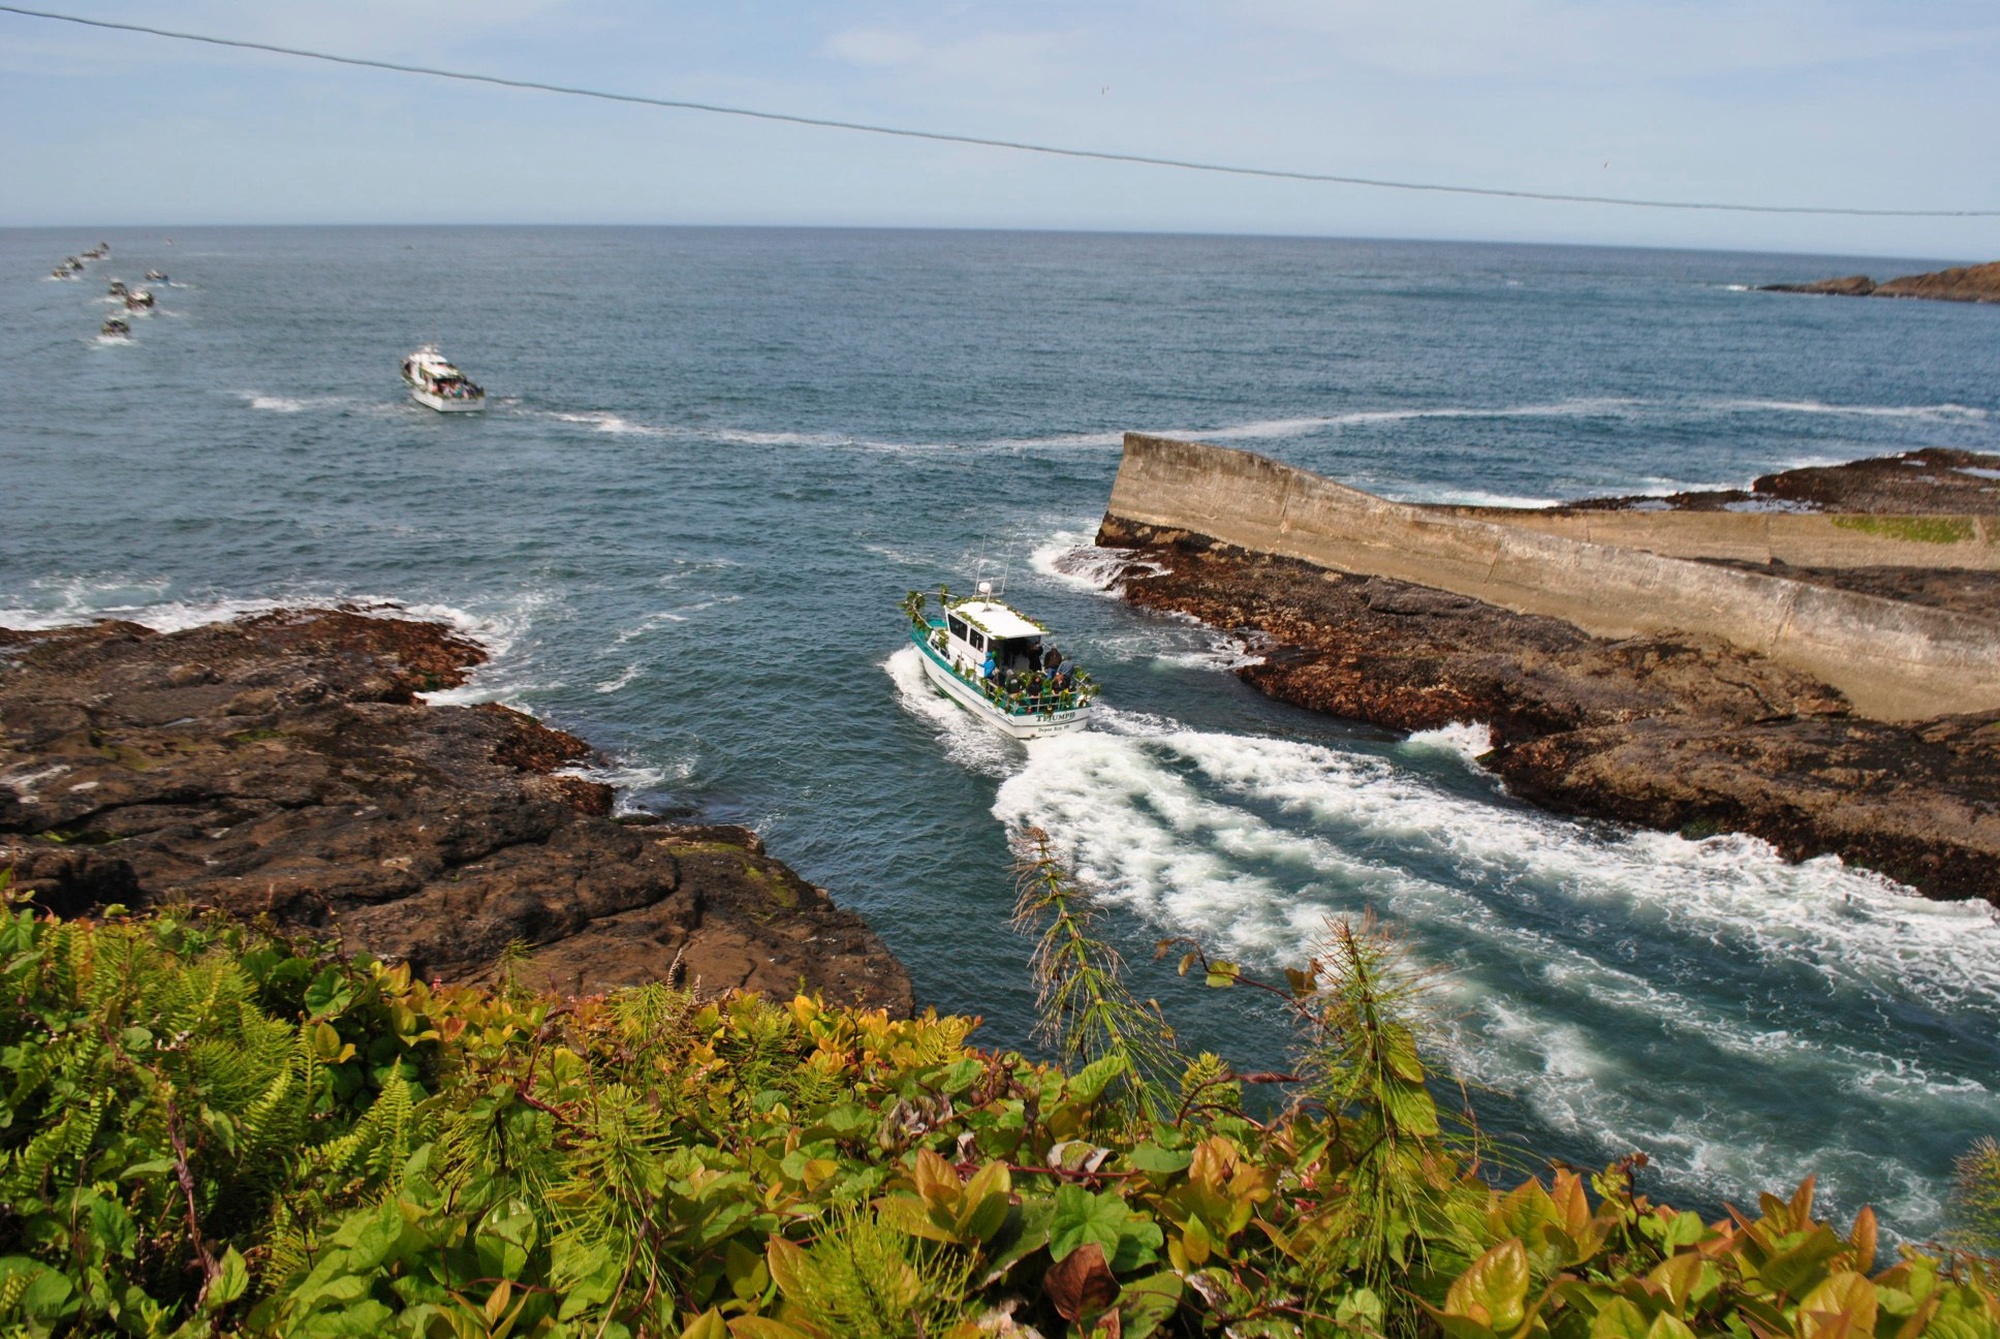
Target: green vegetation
{"type": "Point", "coordinates": [212, 1129]}
{"type": "Point", "coordinates": [1916, 529]}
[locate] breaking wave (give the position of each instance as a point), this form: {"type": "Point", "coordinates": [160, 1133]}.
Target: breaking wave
{"type": "Point", "coordinates": [1577, 959]}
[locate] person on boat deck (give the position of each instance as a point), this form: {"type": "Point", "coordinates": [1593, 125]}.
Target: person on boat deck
{"type": "Point", "coordinates": [986, 670]}
{"type": "Point", "coordinates": [1052, 659]}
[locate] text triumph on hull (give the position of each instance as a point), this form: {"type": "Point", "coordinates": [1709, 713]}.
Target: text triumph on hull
{"type": "Point", "coordinates": [435, 382]}
{"type": "Point", "coordinates": [997, 663]}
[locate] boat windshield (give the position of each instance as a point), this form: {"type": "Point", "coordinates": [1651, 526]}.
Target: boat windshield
{"type": "Point", "coordinates": [1017, 653]}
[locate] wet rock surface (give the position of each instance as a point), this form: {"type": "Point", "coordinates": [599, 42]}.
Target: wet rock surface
{"type": "Point", "coordinates": [1935, 481]}
{"type": "Point", "coordinates": [1681, 733]}
{"type": "Point", "coordinates": [282, 766]}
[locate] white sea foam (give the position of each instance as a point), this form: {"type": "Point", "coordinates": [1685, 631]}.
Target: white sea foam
{"type": "Point", "coordinates": [902, 557]}
{"type": "Point", "coordinates": [625, 677]}
{"type": "Point", "coordinates": [1273, 429]}
{"type": "Point", "coordinates": [1464, 739]}
{"type": "Point", "coordinates": [619, 425]}
{"type": "Point", "coordinates": [966, 741]}
{"type": "Point", "coordinates": [1947, 412]}
{"type": "Point", "coordinates": [1061, 439]}
{"type": "Point", "coordinates": [1251, 842]}
{"type": "Point", "coordinates": [1278, 429]}
{"type": "Point", "coordinates": [291, 404]}
{"type": "Point", "coordinates": [663, 618]}
{"type": "Point", "coordinates": [496, 632]}
{"type": "Point", "coordinates": [630, 779]}
{"type": "Point", "coordinates": [614, 424]}
{"type": "Point", "coordinates": [1069, 557]}
{"type": "Point", "coordinates": [163, 616]}
{"type": "Point", "coordinates": [1223, 652]}
{"type": "Point", "coordinates": [650, 623]}
{"type": "Point", "coordinates": [1442, 495]}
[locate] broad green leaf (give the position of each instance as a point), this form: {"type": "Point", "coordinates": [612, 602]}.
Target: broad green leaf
{"type": "Point", "coordinates": [1081, 1216]}
{"type": "Point", "coordinates": [231, 1281]}
{"type": "Point", "coordinates": [1494, 1290]}
{"type": "Point", "coordinates": [329, 994]}
{"type": "Point", "coordinates": [1127, 1239]}
{"type": "Point", "coordinates": [1147, 1304]}
{"type": "Point", "coordinates": [1678, 1277]}
{"type": "Point", "coordinates": [1796, 1271]}
{"type": "Point", "coordinates": [1089, 1083]}
{"type": "Point", "coordinates": [1618, 1319]}
{"type": "Point", "coordinates": [50, 1297]}
{"type": "Point", "coordinates": [708, 1325]}
{"type": "Point", "coordinates": [111, 1228]}
{"type": "Point", "coordinates": [1159, 1163]}
{"type": "Point", "coordinates": [1846, 1294]}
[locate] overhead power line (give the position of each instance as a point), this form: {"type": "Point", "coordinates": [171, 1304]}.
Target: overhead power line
{"type": "Point", "coordinates": [1022, 146]}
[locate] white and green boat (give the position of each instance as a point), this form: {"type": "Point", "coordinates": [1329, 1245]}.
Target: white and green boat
{"type": "Point", "coordinates": [999, 664]}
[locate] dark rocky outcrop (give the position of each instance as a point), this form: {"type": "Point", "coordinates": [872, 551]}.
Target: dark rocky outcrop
{"type": "Point", "coordinates": [1966, 283]}
{"type": "Point", "coordinates": [1674, 732]}
{"type": "Point", "coordinates": [1847, 286]}
{"type": "Point", "coordinates": [282, 766]}
{"type": "Point", "coordinates": [1933, 481]}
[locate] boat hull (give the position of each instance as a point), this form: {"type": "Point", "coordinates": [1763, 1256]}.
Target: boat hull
{"type": "Point", "coordinates": [444, 405]}
{"type": "Point", "coordinates": [1038, 726]}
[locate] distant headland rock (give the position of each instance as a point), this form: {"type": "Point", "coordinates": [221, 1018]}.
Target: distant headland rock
{"type": "Point", "coordinates": [1967, 283]}
{"type": "Point", "coordinates": [283, 766]}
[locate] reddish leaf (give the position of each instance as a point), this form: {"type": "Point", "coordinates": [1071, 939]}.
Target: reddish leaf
{"type": "Point", "coordinates": [1080, 1284]}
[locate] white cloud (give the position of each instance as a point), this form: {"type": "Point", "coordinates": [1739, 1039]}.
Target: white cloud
{"type": "Point", "coordinates": [993, 57]}
{"type": "Point", "coordinates": [875, 46]}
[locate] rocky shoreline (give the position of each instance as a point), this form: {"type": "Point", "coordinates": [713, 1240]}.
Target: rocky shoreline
{"type": "Point", "coordinates": [283, 767]}
{"type": "Point", "coordinates": [1679, 733]}
{"type": "Point", "coordinates": [1965, 283]}
{"type": "Point", "coordinates": [1933, 481]}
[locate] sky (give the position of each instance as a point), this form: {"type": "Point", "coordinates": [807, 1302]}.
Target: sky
{"type": "Point", "coordinates": [1861, 103]}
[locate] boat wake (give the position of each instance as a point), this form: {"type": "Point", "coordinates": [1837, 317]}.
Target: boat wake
{"type": "Point", "coordinates": [1629, 990]}
{"type": "Point", "coordinates": [966, 741]}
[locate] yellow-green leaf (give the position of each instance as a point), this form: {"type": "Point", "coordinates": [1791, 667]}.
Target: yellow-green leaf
{"type": "Point", "coordinates": [1494, 1291]}
{"type": "Point", "coordinates": [1618, 1319]}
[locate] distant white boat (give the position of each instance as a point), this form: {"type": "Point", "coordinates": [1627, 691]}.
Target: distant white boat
{"type": "Point", "coordinates": [990, 659]}
{"type": "Point", "coordinates": [435, 382]}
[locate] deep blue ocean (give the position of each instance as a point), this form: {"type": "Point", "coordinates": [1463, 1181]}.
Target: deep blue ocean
{"type": "Point", "coordinates": [714, 460]}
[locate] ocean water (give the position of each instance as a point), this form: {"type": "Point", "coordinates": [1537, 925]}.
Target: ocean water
{"type": "Point", "coordinates": [715, 459]}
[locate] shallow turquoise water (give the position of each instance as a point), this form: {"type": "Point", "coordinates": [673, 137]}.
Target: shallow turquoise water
{"type": "Point", "coordinates": [715, 459]}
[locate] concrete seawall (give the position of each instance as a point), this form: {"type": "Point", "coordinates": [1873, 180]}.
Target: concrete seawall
{"type": "Point", "coordinates": [1895, 661]}
{"type": "Point", "coordinates": [1800, 539]}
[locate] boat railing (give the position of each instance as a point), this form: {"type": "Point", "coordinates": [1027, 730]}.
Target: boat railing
{"type": "Point", "coordinates": [1016, 702]}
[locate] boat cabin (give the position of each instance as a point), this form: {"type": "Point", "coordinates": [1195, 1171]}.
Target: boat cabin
{"type": "Point", "coordinates": [976, 629]}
